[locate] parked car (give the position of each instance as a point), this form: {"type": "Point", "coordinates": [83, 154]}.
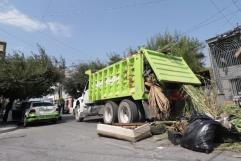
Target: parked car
{"type": "Point", "coordinates": [41, 111]}
{"type": "Point", "coordinates": [19, 109]}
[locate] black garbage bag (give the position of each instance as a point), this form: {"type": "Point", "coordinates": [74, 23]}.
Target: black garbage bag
{"type": "Point", "coordinates": [198, 116]}
{"type": "Point", "coordinates": [174, 137]}
{"type": "Point", "coordinates": [202, 133]}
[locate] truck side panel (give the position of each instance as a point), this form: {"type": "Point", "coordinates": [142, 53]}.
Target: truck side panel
{"type": "Point", "coordinates": [170, 68]}
{"type": "Point", "coordinates": [122, 79]}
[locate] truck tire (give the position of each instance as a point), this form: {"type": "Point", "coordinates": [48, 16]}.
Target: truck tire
{"type": "Point", "coordinates": [141, 111]}
{"type": "Point", "coordinates": [77, 115]}
{"type": "Point", "coordinates": [128, 112]}
{"type": "Point", "coordinates": [110, 112]}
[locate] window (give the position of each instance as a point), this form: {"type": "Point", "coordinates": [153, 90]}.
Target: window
{"type": "Point", "coordinates": [37, 104]}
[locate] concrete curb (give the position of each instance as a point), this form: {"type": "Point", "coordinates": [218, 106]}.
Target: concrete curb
{"type": "Point", "coordinates": [8, 129]}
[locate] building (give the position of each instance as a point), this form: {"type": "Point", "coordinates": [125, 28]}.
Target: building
{"type": "Point", "coordinates": [3, 48]}
{"type": "Point", "coordinates": [60, 93]}
{"type": "Point", "coordinates": [224, 53]}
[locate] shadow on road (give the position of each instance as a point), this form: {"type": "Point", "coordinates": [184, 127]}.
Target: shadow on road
{"type": "Point", "coordinates": [64, 119]}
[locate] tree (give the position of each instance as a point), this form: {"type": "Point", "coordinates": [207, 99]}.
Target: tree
{"type": "Point", "coordinates": [77, 80]}
{"type": "Point", "coordinates": [26, 77]}
{"type": "Point", "coordinates": [189, 48]}
{"type": "Point", "coordinates": [114, 57]}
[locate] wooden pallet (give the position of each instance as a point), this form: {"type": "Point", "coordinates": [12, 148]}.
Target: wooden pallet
{"type": "Point", "coordinates": [121, 131]}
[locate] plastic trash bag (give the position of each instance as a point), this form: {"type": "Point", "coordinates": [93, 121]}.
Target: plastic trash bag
{"type": "Point", "coordinates": [174, 137]}
{"type": "Point", "coordinates": [202, 133]}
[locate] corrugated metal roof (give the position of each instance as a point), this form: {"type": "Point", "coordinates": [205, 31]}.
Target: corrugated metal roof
{"type": "Point", "coordinates": [170, 68]}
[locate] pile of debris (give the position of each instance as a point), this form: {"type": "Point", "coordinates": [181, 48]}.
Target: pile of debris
{"type": "Point", "coordinates": [185, 112]}
{"type": "Point", "coordinates": [203, 133]}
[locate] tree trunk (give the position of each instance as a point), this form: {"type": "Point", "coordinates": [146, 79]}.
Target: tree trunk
{"type": "Point", "coordinates": [8, 108]}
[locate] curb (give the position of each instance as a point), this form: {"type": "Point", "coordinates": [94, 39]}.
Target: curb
{"type": "Point", "coordinates": [8, 130]}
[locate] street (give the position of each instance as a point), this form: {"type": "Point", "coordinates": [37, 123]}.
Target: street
{"type": "Point", "coordinates": [73, 141]}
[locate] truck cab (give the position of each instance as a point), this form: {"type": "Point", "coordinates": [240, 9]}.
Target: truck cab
{"type": "Point", "coordinates": [82, 108]}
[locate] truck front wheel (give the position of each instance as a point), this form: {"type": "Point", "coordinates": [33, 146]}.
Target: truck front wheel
{"type": "Point", "coordinates": [77, 115]}
{"type": "Point", "coordinates": [110, 112]}
{"type": "Point", "coordinates": [127, 112]}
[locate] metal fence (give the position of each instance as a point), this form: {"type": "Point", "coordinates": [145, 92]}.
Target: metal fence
{"type": "Point", "coordinates": [226, 68]}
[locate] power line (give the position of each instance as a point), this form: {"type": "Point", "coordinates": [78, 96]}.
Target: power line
{"type": "Point", "coordinates": [47, 9]}
{"type": "Point", "coordinates": [236, 5]}
{"type": "Point", "coordinates": [19, 39]}
{"type": "Point", "coordinates": [212, 21]}
{"type": "Point", "coordinates": [194, 28]}
{"type": "Point", "coordinates": [220, 11]}
{"type": "Point", "coordinates": [130, 5]}
{"type": "Point", "coordinates": [62, 44]}
{"type": "Point", "coordinates": [200, 26]}
{"type": "Point", "coordinates": [206, 20]}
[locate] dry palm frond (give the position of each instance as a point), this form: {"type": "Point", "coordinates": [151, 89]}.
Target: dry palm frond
{"type": "Point", "coordinates": [198, 101]}
{"type": "Point", "coordinates": [158, 102]}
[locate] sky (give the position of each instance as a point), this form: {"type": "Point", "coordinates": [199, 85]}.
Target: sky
{"type": "Point", "coordinates": [85, 30]}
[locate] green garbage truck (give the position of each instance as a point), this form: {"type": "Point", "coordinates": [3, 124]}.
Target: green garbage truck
{"type": "Point", "coordinates": [118, 91]}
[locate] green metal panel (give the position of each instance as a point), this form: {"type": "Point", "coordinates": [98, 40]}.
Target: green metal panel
{"type": "Point", "coordinates": [125, 78]}
{"type": "Point", "coordinates": [170, 68]}
{"type": "Point", "coordinates": [122, 79]}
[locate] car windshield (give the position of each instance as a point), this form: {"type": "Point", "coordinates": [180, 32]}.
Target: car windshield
{"type": "Point", "coordinates": [37, 104]}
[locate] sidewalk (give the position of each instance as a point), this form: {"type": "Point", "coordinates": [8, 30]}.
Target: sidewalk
{"type": "Point", "coordinates": [7, 128]}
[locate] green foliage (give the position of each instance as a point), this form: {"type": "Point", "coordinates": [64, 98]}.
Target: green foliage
{"type": "Point", "coordinates": [113, 58]}
{"type": "Point", "coordinates": [77, 80]}
{"type": "Point", "coordinates": [24, 77]}
{"type": "Point", "coordinates": [189, 48]}
{"type": "Point", "coordinates": [196, 101]}
{"type": "Point", "coordinates": [235, 112]}
{"type": "Point", "coordinates": [235, 147]}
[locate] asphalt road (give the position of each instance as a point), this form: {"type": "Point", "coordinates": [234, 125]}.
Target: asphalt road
{"type": "Point", "coordinates": [74, 141]}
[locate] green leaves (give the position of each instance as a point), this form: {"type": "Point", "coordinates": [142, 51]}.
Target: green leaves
{"type": "Point", "coordinates": [114, 57]}
{"type": "Point", "coordinates": [76, 82]}
{"type": "Point", "coordinates": [25, 77]}
{"type": "Point", "coordinates": [189, 48]}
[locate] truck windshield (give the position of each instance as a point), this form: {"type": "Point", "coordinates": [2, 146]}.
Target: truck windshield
{"type": "Point", "coordinates": [37, 104]}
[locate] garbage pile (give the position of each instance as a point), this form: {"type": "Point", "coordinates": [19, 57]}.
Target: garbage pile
{"type": "Point", "coordinates": [201, 127]}
{"type": "Point", "coordinates": [197, 123]}
{"type": "Point", "coordinates": [190, 117]}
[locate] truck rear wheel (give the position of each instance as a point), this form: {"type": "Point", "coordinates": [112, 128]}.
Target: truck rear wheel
{"type": "Point", "coordinates": [127, 112]}
{"type": "Point", "coordinates": [110, 112]}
